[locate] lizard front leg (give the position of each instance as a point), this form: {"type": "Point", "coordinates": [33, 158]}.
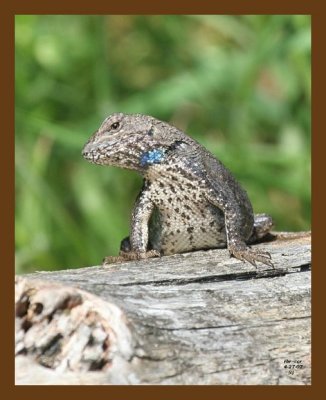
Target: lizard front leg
{"type": "Point", "coordinates": [236, 232]}
{"type": "Point", "coordinates": [238, 247]}
{"type": "Point", "coordinates": [138, 241]}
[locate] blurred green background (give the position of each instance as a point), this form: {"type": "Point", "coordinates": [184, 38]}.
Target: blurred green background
{"type": "Point", "coordinates": [240, 85]}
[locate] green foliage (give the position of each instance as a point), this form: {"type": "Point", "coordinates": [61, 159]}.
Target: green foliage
{"type": "Point", "coordinates": [239, 84]}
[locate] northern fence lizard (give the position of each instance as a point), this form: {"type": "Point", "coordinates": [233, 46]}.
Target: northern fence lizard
{"type": "Point", "coordinates": [189, 200]}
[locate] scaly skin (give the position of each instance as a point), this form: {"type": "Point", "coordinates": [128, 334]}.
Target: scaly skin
{"type": "Point", "coordinates": [189, 200]}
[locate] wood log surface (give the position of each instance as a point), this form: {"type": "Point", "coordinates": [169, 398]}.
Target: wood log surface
{"type": "Point", "coordinates": [194, 318]}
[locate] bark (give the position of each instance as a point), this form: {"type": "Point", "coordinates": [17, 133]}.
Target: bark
{"type": "Point", "coordinates": [195, 318]}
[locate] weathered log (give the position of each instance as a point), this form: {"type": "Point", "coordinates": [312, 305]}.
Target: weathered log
{"type": "Point", "coordinates": [195, 318]}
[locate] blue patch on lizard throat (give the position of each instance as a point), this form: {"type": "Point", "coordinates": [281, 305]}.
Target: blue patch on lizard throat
{"type": "Point", "coordinates": [151, 157]}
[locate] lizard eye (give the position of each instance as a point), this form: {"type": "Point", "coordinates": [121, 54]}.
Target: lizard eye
{"type": "Point", "coordinates": [115, 125]}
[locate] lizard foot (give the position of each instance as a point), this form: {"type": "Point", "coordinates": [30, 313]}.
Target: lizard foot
{"type": "Point", "coordinates": [125, 256]}
{"type": "Point", "coordinates": [252, 256]}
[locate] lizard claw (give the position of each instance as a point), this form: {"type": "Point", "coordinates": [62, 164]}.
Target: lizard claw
{"type": "Point", "coordinates": [125, 256]}
{"type": "Point", "coordinates": [253, 262]}
{"type": "Point", "coordinates": [252, 256]}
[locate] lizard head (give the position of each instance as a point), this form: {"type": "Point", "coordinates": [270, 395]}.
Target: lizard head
{"type": "Point", "coordinates": [132, 141]}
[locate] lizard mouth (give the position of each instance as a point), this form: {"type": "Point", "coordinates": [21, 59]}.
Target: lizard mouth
{"type": "Point", "coordinates": [93, 154]}
{"type": "Point", "coordinates": [108, 155]}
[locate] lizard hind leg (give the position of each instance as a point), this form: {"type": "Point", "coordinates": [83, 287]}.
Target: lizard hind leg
{"type": "Point", "coordinates": [263, 224]}
{"type": "Point", "coordinates": [125, 245]}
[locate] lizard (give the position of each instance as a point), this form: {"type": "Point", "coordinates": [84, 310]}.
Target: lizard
{"type": "Point", "coordinates": [189, 200]}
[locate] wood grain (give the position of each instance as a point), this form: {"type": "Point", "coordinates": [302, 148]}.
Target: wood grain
{"type": "Point", "coordinates": [195, 318]}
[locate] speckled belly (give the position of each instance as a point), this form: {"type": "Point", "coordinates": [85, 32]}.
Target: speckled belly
{"type": "Point", "coordinates": [180, 228]}
{"type": "Point", "coordinates": [184, 220]}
